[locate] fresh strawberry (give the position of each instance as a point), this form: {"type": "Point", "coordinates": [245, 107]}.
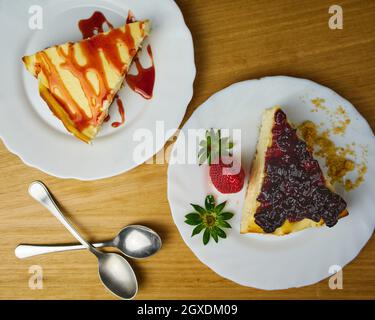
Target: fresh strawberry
{"type": "Point", "coordinates": [227, 176]}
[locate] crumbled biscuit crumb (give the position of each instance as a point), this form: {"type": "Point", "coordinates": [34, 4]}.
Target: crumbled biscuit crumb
{"type": "Point", "coordinates": [335, 157]}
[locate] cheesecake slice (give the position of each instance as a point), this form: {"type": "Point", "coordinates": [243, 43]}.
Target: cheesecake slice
{"type": "Point", "coordinates": [287, 190]}
{"type": "Point", "coordinates": [79, 81]}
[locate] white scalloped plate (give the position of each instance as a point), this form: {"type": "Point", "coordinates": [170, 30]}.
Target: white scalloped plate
{"type": "Point", "coordinates": [28, 128]}
{"type": "Point", "coordinates": [267, 261]}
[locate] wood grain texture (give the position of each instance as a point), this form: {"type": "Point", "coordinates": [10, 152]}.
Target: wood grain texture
{"type": "Point", "coordinates": [234, 41]}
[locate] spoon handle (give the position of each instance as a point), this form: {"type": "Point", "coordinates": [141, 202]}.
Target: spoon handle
{"type": "Point", "coordinates": [41, 194]}
{"type": "Point", "coordinates": [23, 251]}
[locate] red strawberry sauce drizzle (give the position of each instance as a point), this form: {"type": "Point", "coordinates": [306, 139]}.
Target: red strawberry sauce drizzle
{"type": "Point", "coordinates": [294, 186]}
{"type": "Point", "coordinates": [141, 83]}
{"type": "Point", "coordinates": [121, 111]}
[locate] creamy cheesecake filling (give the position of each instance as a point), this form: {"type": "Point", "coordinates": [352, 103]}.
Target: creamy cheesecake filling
{"type": "Point", "coordinates": [82, 78]}
{"type": "Point", "coordinates": [287, 191]}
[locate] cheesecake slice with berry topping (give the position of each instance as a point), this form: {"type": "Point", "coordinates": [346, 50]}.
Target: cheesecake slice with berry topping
{"type": "Point", "coordinates": [287, 191]}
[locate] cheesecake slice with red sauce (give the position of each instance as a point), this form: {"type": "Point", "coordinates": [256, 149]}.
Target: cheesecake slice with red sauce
{"type": "Point", "coordinates": [79, 81]}
{"type": "Point", "coordinates": [287, 191]}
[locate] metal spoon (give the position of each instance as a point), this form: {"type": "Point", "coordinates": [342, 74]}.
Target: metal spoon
{"type": "Point", "coordinates": [115, 272]}
{"type": "Point", "coordinates": [134, 241]}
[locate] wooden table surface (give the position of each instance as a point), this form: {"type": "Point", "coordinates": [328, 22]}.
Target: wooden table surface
{"type": "Point", "coordinates": [234, 41]}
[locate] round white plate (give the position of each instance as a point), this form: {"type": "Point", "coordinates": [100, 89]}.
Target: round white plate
{"type": "Point", "coordinates": [28, 128]}
{"type": "Point", "coordinates": [267, 261]}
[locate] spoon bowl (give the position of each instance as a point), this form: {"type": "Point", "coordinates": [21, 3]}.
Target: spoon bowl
{"type": "Point", "coordinates": [117, 275]}
{"type": "Point", "coordinates": [137, 241]}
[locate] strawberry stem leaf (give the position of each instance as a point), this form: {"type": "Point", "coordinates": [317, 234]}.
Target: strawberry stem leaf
{"type": "Point", "coordinates": [214, 146]}
{"type": "Point", "coordinates": [210, 202]}
{"type": "Point", "coordinates": [197, 229]}
{"type": "Point", "coordinates": [211, 219]}
{"type": "Point", "coordinates": [206, 236]}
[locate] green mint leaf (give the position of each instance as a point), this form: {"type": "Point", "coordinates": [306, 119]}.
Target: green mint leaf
{"type": "Point", "coordinates": [197, 229]}
{"type": "Point", "coordinates": [210, 202]}
{"type": "Point", "coordinates": [206, 236]}
{"type": "Point", "coordinates": [226, 215]}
